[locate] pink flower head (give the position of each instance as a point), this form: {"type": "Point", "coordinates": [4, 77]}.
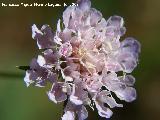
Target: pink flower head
{"type": "Point", "coordinates": [82, 61]}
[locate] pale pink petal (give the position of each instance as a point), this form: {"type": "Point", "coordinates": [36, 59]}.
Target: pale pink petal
{"type": "Point", "coordinates": [103, 111]}
{"type": "Point", "coordinates": [106, 98]}
{"type": "Point", "coordinates": [67, 14]}
{"type": "Point", "coordinates": [128, 94]}
{"type": "Point", "coordinates": [82, 113]}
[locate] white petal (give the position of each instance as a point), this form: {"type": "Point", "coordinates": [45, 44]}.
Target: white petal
{"type": "Point", "coordinates": [35, 30]}
{"type": "Point", "coordinates": [57, 40]}
{"type": "Point", "coordinates": [27, 80]}
{"type": "Point", "coordinates": [41, 61]}
{"type": "Point", "coordinates": [51, 97]}
{"type": "Point", "coordinates": [68, 116]}
{"type": "Point", "coordinates": [68, 79]}
{"type": "Point", "coordinates": [44, 27]}
{"type": "Point", "coordinates": [59, 26]}
{"type": "Point", "coordinates": [75, 100]}
{"type": "Point", "coordinates": [38, 84]}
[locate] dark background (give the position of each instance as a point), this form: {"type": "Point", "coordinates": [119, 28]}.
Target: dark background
{"type": "Point", "coordinates": [17, 102]}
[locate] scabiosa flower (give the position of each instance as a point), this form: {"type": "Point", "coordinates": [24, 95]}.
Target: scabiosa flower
{"type": "Point", "coordinates": [82, 61]}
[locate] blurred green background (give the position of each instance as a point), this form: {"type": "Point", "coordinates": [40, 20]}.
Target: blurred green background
{"type": "Point", "coordinates": [17, 102]}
